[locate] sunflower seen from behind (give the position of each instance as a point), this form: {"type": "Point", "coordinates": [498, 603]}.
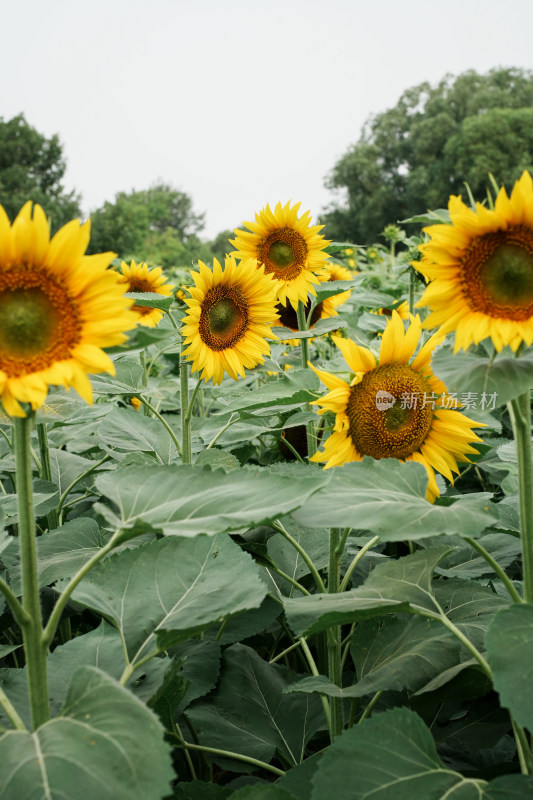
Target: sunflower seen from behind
{"type": "Point", "coordinates": [480, 270]}
{"type": "Point", "coordinates": [290, 249]}
{"type": "Point", "coordinates": [58, 309]}
{"type": "Point", "coordinates": [230, 314]}
{"type": "Point", "coordinates": [140, 278]}
{"type": "Point", "coordinates": [395, 407]}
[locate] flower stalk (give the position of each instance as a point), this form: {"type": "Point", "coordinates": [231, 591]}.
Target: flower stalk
{"type": "Point", "coordinates": [520, 413]}
{"type": "Point", "coordinates": [334, 636]}
{"type": "Point", "coordinates": [35, 648]}
{"type": "Point", "coordinates": [304, 346]}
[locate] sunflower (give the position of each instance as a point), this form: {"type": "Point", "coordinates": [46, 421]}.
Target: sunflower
{"type": "Point", "coordinates": [481, 270]}
{"type": "Point", "coordinates": [323, 310]}
{"type": "Point", "coordinates": [58, 308]}
{"type": "Point", "coordinates": [290, 249]}
{"type": "Point", "coordinates": [139, 278]}
{"type": "Point", "coordinates": [230, 314]}
{"type": "Point", "coordinates": [395, 407]}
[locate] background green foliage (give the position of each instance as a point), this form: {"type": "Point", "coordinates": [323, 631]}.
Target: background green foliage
{"type": "Point", "coordinates": [32, 168]}
{"type": "Point", "coordinates": [413, 156]}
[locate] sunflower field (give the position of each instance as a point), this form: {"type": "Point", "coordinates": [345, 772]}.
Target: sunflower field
{"type": "Point", "coordinates": [266, 525]}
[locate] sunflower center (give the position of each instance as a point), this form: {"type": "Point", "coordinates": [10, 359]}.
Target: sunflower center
{"type": "Point", "coordinates": [283, 253]}
{"type": "Point", "coordinates": [289, 319]}
{"type": "Point", "coordinates": [39, 323]}
{"type": "Point", "coordinates": [390, 412]}
{"type": "Point", "coordinates": [497, 273]}
{"type": "Point", "coordinates": [223, 317]}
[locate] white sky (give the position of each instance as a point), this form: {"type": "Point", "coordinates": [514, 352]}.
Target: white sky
{"type": "Point", "coordinates": [236, 102]}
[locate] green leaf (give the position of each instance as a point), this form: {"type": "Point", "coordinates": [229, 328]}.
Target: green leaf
{"type": "Point", "coordinates": [128, 432]}
{"type": "Point", "coordinates": [247, 623]}
{"type": "Point", "coordinates": [151, 300]}
{"type": "Point", "coordinates": [105, 744]}
{"type": "Point", "coordinates": [467, 372]}
{"type": "Point", "coordinates": [332, 288]}
{"type": "Point", "coordinates": [161, 593]}
{"type": "Point", "coordinates": [319, 328]}
{"type": "Point", "coordinates": [262, 792]}
{"type": "Point", "coordinates": [186, 500]}
{"type": "Point", "coordinates": [401, 585]}
{"type": "Point", "coordinates": [199, 790]}
{"type": "Point", "coordinates": [288, 390]}
{"type": "Point", "coordinates": [509, 644]}
{"type": "Point", "coordinates": [129, 379]}
{"type": "Point", "coordinates": [334, 247]}
{"type": "Point", "coordinates": [465, 562]}
{"type": "Point", "coordinates": [217, 459]}
{"type": "Point", "coordinates": [45, 498]}
{"type": "Point", "coordinates": [391, 756]}
{"type": "Point", "coordinates": [250, 714]}
{"type": "Point", "coordinates": [282, 552]}
{"type": "Point", "coordinates": [389, 498]}
{"type": "Point", "coordinates": [62, 552]}
{"type": "Point", "coordinates": [470, 606]}
{"type": "Point", "coordinates": [200, 668]}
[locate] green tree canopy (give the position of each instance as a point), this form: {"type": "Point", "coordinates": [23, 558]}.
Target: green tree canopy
{"type": "Point", "coordinates": [413, 156]}
{"type": "Point", "coordinates": [32, 168]}
{"type": "Point", "coordinates": [154, 224]}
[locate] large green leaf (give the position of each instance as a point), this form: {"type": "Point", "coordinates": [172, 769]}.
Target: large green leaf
{"type": "Point", "coordinates": [392, 756]}
{"type": "Point", "coordinates": [466, 562]}
{"type": "Point", "coordinates": [186, 500]}
{"type": "Point", "coordinates": [503, 376]}
{"type": "Point", "coordinates": [262, 792]}
{"type": "Point", "coordinates": [470, 605]}
{"type": "Point", "coordinates": [126, 431]}
{"type": "Point", "coordinates": [161, 593]}
{"type": "Point", "coordinates": [287, 391]}
{"type": "Point", "coordinates": [105, 744]}
{"type": "Point", "coordinates": [128, 379]}
{"type": "Point", "coordinates": [250, 714]}
{"type": "Point", "coordinates": [510, 653]}
{"type": "Point", "coordinates": [388, 498]}
{"type": "Point", "coordinates": [400, 585]}
{"type": "Point", "coordinates": [45, 498]}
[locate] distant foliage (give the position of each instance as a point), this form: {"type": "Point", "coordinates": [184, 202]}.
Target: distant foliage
{"type": "Point", "coordinates": [413, 156]}
{"type": "Point", "coordinates": [32, 168]}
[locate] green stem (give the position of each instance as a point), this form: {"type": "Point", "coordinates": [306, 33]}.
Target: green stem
{"type": "Point", "coordinates": [507, 582]}
{"type": "Point", "coordinates": [186, 456]}
{"type": "Point", "coordinates": [55, 616]}
{"type": "Point", "coordinates": [304, 349]}
{"type": "Point", "coordinates": [356, 561]}
{"type": "Point", "coordinates": [520, 413]}
{"type": "Point", "coordinates": [288, 578]}
{"type": "Point", "coordinates": [74, 483]}
{"type": "Point", "coordinates": [35, 649]}
{"type": "Point", "coordinates": [368, 710]}
{"type": "Point", "coordinates": [314, 670]}
{"type": "Point", "coordinates": [522, 747]}
{"type": "Point", "coordinates": [467, 643]}
{"type": "Point", "coordinates": [217, 436]}
{"type": "Point", "coordinates": [20, 615]}
{"type": "Point", "coordinates": [165, 424]}
{"type": "Point", "coordinates": [46, 470]}
{"type": "Point", "coordinates": [293, 450]}
{"type": "Point", "coordinates": [191, 401]}
{"type": "Point", "coordinates": [334, 636]}
{"type": "Point", "coordinates": [11, 712]}
{"type": "Point", "coordinates": [411, 290]}
{"type": "Point", "coordinates": [230, 754]}
{"type": "Point", "coordinates": [297, 546]}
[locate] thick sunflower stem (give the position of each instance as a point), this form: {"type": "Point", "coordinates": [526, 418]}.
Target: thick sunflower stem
{"type": "Point", "coordinates": [46, 470]}
{"type": "Point", "coordinates": [334, 636]}
{"type": "Point", "coordinates": [32, 630]}
{"type": "Point", "coordinates": [520, 413]}
{"type": "Point", "coordinates": [186, 456]}
{"type": "Point", "coordinates": [304, 345]}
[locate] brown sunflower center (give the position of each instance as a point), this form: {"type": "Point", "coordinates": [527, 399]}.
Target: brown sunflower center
{"type": "Point", "coordinates": [283, 253]}
{"type": "Point", "coordinates": [39, 323]}
{"type": "Point", "coordinates": [140, 285]}
{"type": "Point", "coordinates": [390, 412]}
{"type": "Point", "coordinates": [497, 273]}
{"type": "Point", "coordinates": [289, 319]}
{"type": "Point", "coordinates": [223, 317]}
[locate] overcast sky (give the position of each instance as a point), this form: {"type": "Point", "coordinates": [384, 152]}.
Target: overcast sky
{"type": "Point", "coordinates": [236, 102]}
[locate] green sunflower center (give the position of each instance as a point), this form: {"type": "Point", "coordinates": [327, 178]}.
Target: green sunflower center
{"type": "Point", "coordinates": [39, 324]}
{"type": "Point", "coordinates": [497, 273]}
{"type": "Point", "coordinates": [283, 253]}
{"type": "Point", "coordinates": [223, 317]}
{"type": "Point", "coordinates": [390, 412]}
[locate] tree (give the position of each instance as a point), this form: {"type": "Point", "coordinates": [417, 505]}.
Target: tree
{"type": "Point", "coordinates": [32, 168]}
{"type": "Point", "coordinates": [157, 219]}
{"type": "Point", "coordinates": [413, 156]}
